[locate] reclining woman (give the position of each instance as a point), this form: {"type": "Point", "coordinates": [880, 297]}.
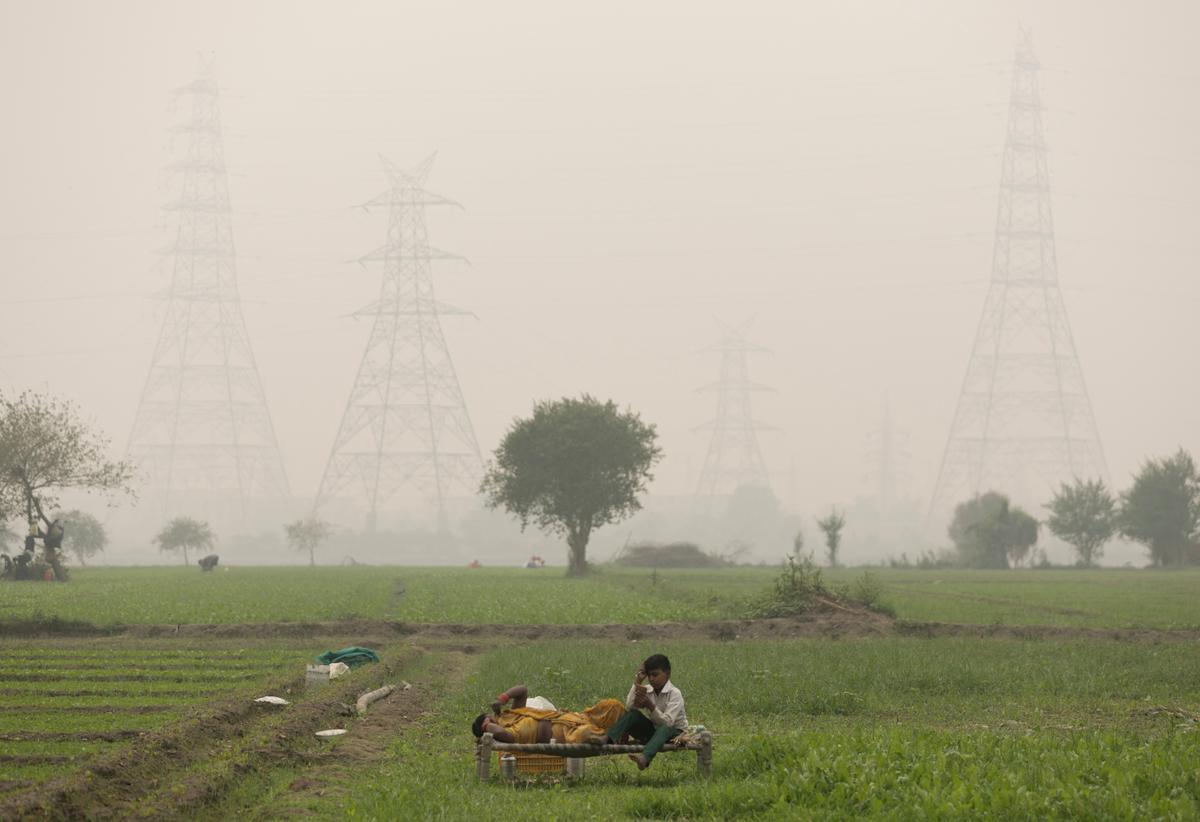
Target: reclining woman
{"type": "Point", "coordinates": [520, 723]}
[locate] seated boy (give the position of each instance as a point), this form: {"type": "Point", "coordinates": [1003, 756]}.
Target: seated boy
{"type": "Point", "coordinates": [664, 718]}
{"type": "Point", "coordinates": [521, 722]}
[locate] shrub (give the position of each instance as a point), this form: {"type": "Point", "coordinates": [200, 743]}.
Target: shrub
{"type": "Point", "coordinates": [794, 590]}
{"type": "Point", "coordinates": [668, 555]}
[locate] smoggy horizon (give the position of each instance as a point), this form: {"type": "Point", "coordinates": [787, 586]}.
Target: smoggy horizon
{"type": "Point", "coordinates": [631, 180]}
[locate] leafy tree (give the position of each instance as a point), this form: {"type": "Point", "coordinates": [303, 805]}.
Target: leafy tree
{"type": "Point", "coordinates": [84, 534]}
{"type": "Point", "coordinates": [46, 448]}
{"type": "Point", "coordinates": [306, 535]}
{"type": "Point", "coordinates": [575, 465]}
{"type": "Point", "coordinates": [1083, 515]}
{"type": "Point", "coordinates": [1162, 509]}
{"type": "Point", "coordinates": [184, 533]}
{"type": "Point", "coordinates": [989, 531]}
{"type": "Point", "coordinates": [832, 524]}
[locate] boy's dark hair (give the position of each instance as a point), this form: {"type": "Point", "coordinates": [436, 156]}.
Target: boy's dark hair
{"type": "Point", "coordinates": [477, 725]}
{"type": "Point", "coordinates": [657, 662]}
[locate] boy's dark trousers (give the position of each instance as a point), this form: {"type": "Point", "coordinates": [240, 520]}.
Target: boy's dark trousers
{"type": "Point", "coordinates": [643, 730]}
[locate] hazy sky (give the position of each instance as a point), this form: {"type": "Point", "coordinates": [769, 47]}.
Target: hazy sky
{"type": "Point", "coordinates": [630, 173]}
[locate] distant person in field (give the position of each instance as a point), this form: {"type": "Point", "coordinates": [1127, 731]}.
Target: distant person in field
{"type": "Point", "coordinates": [655, 710]}
{"type": "Point", "coordinates": [513, 719]}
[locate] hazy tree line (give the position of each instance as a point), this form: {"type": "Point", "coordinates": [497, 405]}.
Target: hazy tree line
{"type": "Point", "coordinates": [1160, 510]}
{"type": "Point", "coordinates": [573, 466]}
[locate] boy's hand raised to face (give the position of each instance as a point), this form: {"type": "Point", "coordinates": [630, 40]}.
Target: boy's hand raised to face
{"type": "Point", "coordinates": [639, 676]}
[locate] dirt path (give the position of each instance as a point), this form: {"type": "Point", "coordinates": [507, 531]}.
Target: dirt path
{"type": "Point", "coordinates": [386, 720]}
{"type": "Point", "coordinates": [828, 623]}
{"type": "Point", "coordinates": [842, 622]}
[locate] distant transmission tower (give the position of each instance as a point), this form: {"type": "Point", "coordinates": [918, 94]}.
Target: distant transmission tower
{"type": "Point", "coordinates": [406, 423]}
{"type": "Point", "coordinates": [1024, 420]}
{"type": "Point", "coordinates": [203, 435]}
{"type": "Point", "coordinates": [734, 458]}
{"type": "Point", "coordinates": [889, 457]}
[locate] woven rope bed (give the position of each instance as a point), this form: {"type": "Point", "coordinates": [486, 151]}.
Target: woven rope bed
{"type": "Point", "coordinates": [574, 755]}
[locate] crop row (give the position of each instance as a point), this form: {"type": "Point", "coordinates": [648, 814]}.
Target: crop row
{"type": "Point", "coordinates": [131, 668]}
{"type": "Point", "coordinates": [51, 714]}
{"type": "Point", "coordinates": [103, 719]}
{"type": "Point", "coordinates": [105, 683]}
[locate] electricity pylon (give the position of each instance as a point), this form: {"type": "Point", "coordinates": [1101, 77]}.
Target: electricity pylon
{"type": "Point", "coordinates": [889, 457]}
{"type": "Point", "coordinates": [1024, 421]}
{"type": "Point", "coordinates": [203, 434]}
{"type": "Point", "coordinates": [405, 423]}
{"type": "Point", "coordinates": [734, 458]}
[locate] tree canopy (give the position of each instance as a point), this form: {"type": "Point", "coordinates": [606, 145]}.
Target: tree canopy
{"type": "Point", "coordinates": [84, 535]}
{"type": "Point", "coordinates": [184, 534]}
{"type": "Point", "coordinates": [573, 466]}
{"type": "Point", "coordinates": [46, 448]}
{"type": "Point", "coordinates": [989, 531]}
{"type": "Point", "coordinates": [1083, 514]}
{"type": "Point", "coordinates": [306, 535]}
{"type": "Point", "coordinates": [1162, 509]}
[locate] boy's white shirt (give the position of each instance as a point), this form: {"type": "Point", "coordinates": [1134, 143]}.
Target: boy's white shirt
{"type": "Point", "coordinates": [668, 706]}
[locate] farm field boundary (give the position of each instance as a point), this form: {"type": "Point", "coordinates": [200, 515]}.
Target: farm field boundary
{"type": "Point", "coordinates": [824, 623]}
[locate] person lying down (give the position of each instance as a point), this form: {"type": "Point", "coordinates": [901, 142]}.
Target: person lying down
{"type": "Point", "coordinates": [514, 718]}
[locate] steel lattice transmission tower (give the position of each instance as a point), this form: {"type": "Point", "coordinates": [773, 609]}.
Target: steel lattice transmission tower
{"type": "Point", "coordinates": [405, 424]}
{"type": "Point", "coordinates": [1024, 420]}
{"type": "Point", "coordinates": [734, 458]}
{"type": "Point", "coordinates": [203, 435]}
{"type": "Point", "coordinates": [889, 457]}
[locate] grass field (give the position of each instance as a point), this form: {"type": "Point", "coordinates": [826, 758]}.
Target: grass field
{"type": "Point", "coordinates": [139, 596]}
{"type": "Point", "coordinates": [894, 728]}
{"type": "Point", "coordinates": [889, 726]}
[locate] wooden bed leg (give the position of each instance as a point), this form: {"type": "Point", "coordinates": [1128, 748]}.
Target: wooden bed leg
{"type": "Point", "coordinates": [483, 757]}
{"type": "Point", "coordinates": [575, 767]}
{"type": "Point", "coordinates": [704, 755]}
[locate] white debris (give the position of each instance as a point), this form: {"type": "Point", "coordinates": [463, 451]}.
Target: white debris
{"type": "Point", "coordinates": [272, 700]}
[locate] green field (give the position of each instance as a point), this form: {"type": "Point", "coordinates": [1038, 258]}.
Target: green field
{"type": "Point", "coordinates": [62, 703]}
{"type": "Point", "coordinates": [885, 726]}
{"type": "Point", "coordinates": [894, 728]}
{"type": "Point", "coordinates": [140, 596]}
